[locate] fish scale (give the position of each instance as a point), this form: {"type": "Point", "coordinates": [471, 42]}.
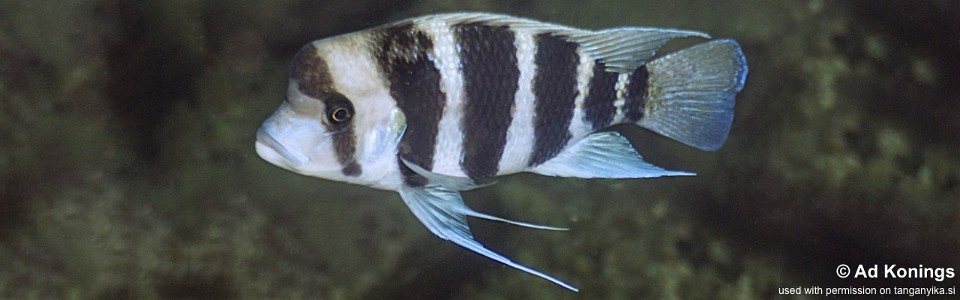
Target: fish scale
{"type": "Point", "coordinates": [432, 106]}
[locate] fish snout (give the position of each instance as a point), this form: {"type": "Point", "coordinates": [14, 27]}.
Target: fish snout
{"type": "Point", "coordinates": [271, 150]}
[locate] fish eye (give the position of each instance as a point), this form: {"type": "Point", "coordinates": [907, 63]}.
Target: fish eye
{"type": "Point", "coordinates": [339, 115]}
{"type": "Point", "coordinates": [339, 110]}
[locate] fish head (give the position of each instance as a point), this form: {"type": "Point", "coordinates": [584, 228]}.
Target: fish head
{"type": "Point", "coordinates": [334, 123]}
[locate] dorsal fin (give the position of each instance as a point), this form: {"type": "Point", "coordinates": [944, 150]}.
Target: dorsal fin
{"type": "Point", "coordinates": [625, 49]}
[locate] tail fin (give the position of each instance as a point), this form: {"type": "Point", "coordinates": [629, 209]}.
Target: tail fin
{"type": "Point", "coordinates": [691, 93]}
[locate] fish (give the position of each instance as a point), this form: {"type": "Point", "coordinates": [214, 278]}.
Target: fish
{"type": "Point", "coordinates": [435, 105]}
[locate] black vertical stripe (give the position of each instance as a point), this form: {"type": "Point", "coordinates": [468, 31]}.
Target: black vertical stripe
{"type": "Point", "coordinates": [402, 53]}
{"type": "Point", "coordinates": [598, 107]}
{"type": "Point", "coordinates": [311, 72]}
{"type": "Point", "coordinates": [345, 146]}
{"type": "Point", "coordinates": [555, 88]}
{"type": "Point", "coordinates": [636, 97]}
{"type": "Point", "coordinates": [490, 81]}
{"type": "Point", "coordinates": [344, 139]}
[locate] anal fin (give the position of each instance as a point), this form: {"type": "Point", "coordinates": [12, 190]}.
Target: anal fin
{"type": "Point", "coordinates": [443, 212]}
{"type": "Point", "coordinates": [602, 155]}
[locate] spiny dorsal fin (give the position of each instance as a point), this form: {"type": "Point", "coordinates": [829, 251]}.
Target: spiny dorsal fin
{"type": "Point", "coordinates": [625, 49]}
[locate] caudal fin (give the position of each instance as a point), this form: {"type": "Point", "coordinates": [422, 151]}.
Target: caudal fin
{"type": "Point", "coordinates": [691, 93]}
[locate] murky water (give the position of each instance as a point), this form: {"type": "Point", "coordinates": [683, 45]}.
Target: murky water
{"type": "Point", "coordinates": [127, 167]}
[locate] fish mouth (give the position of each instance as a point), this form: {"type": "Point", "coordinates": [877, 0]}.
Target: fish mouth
{"type": "Point", "coordinates": [273, 151]}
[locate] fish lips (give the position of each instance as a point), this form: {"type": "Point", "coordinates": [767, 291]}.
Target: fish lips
{"type": "Point", "coordinates": [274, 152]}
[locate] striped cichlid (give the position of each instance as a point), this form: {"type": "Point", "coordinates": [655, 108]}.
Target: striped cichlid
{"type": "Point", "coordinates": [439, 104]}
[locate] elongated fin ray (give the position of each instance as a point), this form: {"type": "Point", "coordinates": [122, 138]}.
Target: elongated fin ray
{"type": "Point", "coordinates": [602, 155]}
{"type": "Point", "coordinates": [691, 93]}
{"type": "Point", "coordinates": [477, 214]}
{"type": "Point", "coordinates": [443, 184]}
{"type": "Point", "coordinates": [443, 212]}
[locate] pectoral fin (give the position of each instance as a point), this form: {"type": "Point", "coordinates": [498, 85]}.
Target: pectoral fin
{"type": "Point", "coordinates": [449, 182]}
{"type": "Point", "coordinates": [443, 212]}
{"type": "Point", "coordinates": [602, 155]}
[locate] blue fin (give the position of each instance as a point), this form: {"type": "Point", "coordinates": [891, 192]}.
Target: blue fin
{"type": "Point", "coordinates": [449, 182]}
{"type": "Point", "coordinates": [602, 155]}
{"type": "Point", "coordinates": [625, 49]}
{"type": "Point", "coordinates": [441, 184]}
{"type": "Point", "coordinates": [443, 212]}
{"type": "Point", "coordinates": [691, 93]}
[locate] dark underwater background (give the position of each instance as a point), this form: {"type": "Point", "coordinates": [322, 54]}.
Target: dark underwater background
{"type": "Point", "coordinates": [127, 166]}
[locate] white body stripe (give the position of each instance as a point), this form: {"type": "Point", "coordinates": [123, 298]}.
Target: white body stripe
{"type": "Point", "coordinates": [520, 134]}
{"type": "Point", "coordinates": [449, 145]}
{"type": "Point", "coordinates": [579, 127]}
{"type": "Point", "coordinates": [622, 82]}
